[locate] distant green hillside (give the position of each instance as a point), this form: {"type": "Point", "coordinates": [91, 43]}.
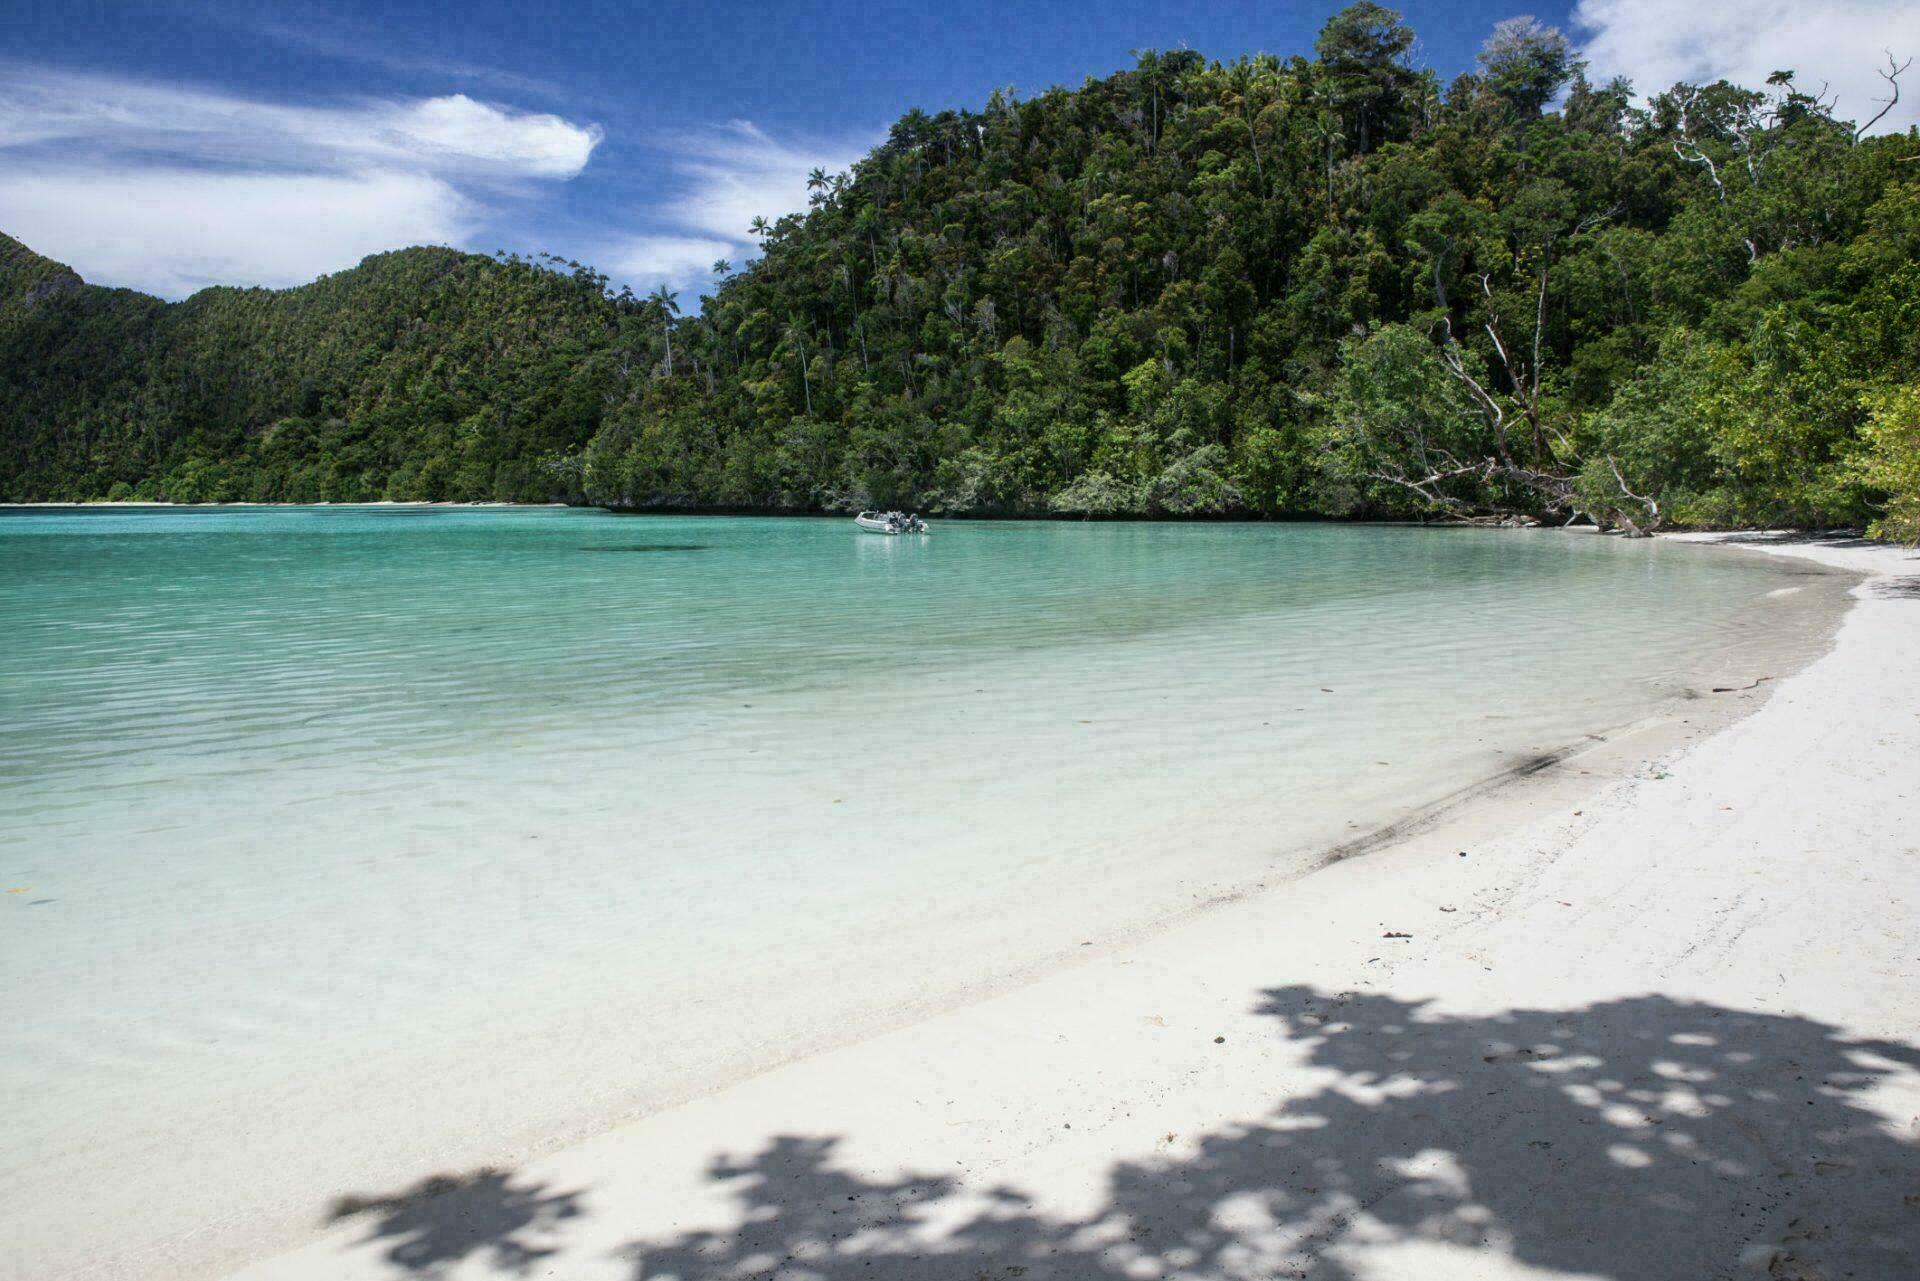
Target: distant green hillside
{"type": "Point", "coordinates": [1310, 285]}
{"type": "Point", "coordinates": [418, 374]}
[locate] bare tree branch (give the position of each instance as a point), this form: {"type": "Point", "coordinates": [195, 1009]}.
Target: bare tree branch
{"type": "Point", "coordinates": [1652, 506]}
{"type": "Point", "coordinates": [1697, 155]}
{"type": "Point", "coordinates": [1892, 76]}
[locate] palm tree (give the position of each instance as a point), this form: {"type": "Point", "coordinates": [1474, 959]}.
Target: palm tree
{"type": "Point", "coordinates": [668, 305]}
{"type": "Point", "coordinates": [758, 227]}
{"type": "Point", "coordinates": [866, 221]}
{"type": "Point", "coordinates": [1244, 76]}
{"type": "Point", "coordinates": [721, 267]}
{"type": "Point", "coordinates": [796, 333]}
{"type": "Point", "coordinates": [1329, 133]}
{"type": "Point", "coordinates": [1153, 74]}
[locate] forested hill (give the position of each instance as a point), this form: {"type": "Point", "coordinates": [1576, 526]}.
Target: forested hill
{"type": "Point", "coordinates": [1320, 284]}
{"type": "Point", "coordinates": [422, 373]}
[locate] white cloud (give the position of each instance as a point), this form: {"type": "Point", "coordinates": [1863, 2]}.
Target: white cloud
{"type": "Point", "coordinates": [169, 188]}
{"type": "Point", "coordinates": [727, 175]}
{"type": "Point", "coordinates": [454, 133]}
{"type": "Point", "coordinates": [1838, 43]}
{"type": "Point", "coordinates": [460, 130]}
{"type": "Point", "coordinates": [171, 231]}
{"type": "Point", "coordinates": [736, 173]}
{"type": "Point", "coordinates": [672, 260]}
{"type": "Point", "coordinates": [373, 46]}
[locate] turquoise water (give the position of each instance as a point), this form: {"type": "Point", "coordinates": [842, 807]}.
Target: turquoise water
{"type": "Point", "coordinates": [397, 804]}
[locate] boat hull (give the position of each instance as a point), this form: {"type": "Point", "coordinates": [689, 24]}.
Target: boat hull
{"type": "Point", "coordinates": [873, 525]}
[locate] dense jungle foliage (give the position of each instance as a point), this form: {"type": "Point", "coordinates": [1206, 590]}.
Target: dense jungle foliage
{"type": "Point", "coordinates": [1311, 285]}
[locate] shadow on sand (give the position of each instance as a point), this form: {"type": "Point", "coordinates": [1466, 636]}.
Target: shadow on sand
{"type": "Point", "coordinates": [1907, 588]}
{"type": "Point", "coordinates": [446, 1219]}
{"type": "Point", "coordinates": [1634, 1139]}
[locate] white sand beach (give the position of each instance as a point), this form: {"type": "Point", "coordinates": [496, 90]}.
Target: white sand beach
{"type": "Point", "coordinates": [1651, 1011]}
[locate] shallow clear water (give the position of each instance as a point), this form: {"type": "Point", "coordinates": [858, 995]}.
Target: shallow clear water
{"type": "Point", "coordinates": [614, 807]}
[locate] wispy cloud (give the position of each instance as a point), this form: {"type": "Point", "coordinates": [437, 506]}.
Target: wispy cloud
{"type": "Point", "coordinates": [169, 188]}
{"type": "Point", "coordinates": [722, 178]}
{"type": "Point", "coordinates": [670, 260]}
{"type": "Point", "coordinates": [454, 132]}
{"type": "Point", "coordinates": [172, 231]}
{"type": "Point", "coordinates": [373, 47]}
{"type": "Point", "coordinates": [1838, 43]}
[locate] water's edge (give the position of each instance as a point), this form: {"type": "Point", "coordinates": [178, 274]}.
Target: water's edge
{"type": "Point", "coordinates": [1484, 810]}
{"type": "Point", "coordinates": [1497, 800]}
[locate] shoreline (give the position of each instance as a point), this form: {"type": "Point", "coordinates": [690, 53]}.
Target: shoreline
{"type": "Point", "coordinates": [1108, 1064]}
{"type": "Point", "coordinates": [987, 518]}
{"type": "Point", "coordinates": [1469, 814]}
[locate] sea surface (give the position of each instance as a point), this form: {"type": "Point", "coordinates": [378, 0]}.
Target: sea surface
{"type": "Point", "coordinates": [346, 845]}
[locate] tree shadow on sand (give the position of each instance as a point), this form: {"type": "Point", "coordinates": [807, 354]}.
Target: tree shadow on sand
{"type": "Point", "coordinates": [1801, 537]}
{"type": "Point", "coordinates": [443, 1220]}
{"type": "Point", "coordinates": [1634, 1139]}
{"type": "Point", "coordinates": [1907, 588]}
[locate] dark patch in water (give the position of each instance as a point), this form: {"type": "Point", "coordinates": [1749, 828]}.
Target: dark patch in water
{"type": "Point", "coordinates": [649, 547]}
{"type": "Point", "coordinates": [1898, 589]}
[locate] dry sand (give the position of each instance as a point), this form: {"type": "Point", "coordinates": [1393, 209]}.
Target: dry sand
{"type": "Point", "coordinates": [1651, 1012]}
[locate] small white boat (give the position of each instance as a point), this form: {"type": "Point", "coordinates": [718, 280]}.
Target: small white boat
{"type": "Point", "coordinates": [891, 523]}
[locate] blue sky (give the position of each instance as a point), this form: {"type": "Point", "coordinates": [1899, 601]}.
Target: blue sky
{"type": "Point", "coordinates": [167, 146]}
